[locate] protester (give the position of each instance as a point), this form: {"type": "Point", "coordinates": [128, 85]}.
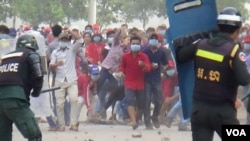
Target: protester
{"type": "Point", "coordinates": [134, 65]}
{"type": "Point", "coordinates": [63, 63]}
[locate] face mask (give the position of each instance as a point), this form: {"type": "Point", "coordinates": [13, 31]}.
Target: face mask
{"type": "Point", "coordinates": [97, 38]}
{"type": "Point", "coordinates": [165, 41]}
{"type": "Point", "coordinates": [89, 31]}
{"type": "Point", "coordinates": [153, 42]}
{"type": "Point", "coordinates": [170, 72]}
{"type": "Point", "coordinates": [63, 44]}
{"type": "Point", "coordinates": [247, 46]}
{"type": "Point", "coordinates": [243, 34]}
{"type": "Point", "coordinates": [94, 77]}
{"type": "Point", "coordinates": [110, 40]}
{"type": "Point", "coordinates": [162, 32]}
{"type": "Point", "coordinates": [135, 48]}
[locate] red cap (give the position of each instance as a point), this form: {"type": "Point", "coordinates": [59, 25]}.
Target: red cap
{"type": "Point", "coordinates": [47, 29]}
{"type": "Point", "coordinates": [26, 27]}
{"type": "Point", "coordinates": [96, 26]}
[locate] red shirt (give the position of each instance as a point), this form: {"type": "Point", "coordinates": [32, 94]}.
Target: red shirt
{"type": "Point", "coordinates": [134, 74]}
{"type": "Point", "coordinates": [83, 81]}
{"type": "Point", "coordinates": [94, 52]}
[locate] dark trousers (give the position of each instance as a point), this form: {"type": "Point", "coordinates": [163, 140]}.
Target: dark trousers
{"type": "Point", "coordinates": [105, 75]}
{"type": "Point", "coordinates": [153, 93]}
{"type": "Point", "coordinates": [18, 112]}
{"type": "Point", "coordinates": [209, 117]}
{"type": "Point", "coordinates": [105, 81]}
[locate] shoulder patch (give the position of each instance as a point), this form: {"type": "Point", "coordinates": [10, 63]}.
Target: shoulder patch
{"type": "Point", "coordinates": [242, 56]}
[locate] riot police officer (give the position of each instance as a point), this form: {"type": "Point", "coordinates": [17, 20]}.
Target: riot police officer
{"type": "Point", "coordinates": [20, 75]}
{"type": "Point", "coordinates": [219, 66]}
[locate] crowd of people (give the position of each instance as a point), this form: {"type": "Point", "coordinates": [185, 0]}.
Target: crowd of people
{"type": "Point", "coordinates": [128, 69]}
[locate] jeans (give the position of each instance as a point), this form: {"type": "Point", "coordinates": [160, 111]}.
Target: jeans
{"type": "Point", "coordinates": [123, 109]}
{"type": "Point", "coordinates": [177, 110]}
{"type": "Point", "coordinates": [105, 81]}
{"type": "Point", "coordinates": [102, 94]}
{"type": "Point", "coordinates": [100, 103]}
{"type": "Point", "coordinates": [105, 75]}
{"type": "Point", "coordinates": [153, 93]}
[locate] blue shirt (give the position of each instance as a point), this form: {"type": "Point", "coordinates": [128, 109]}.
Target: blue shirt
{"type": "Point", "coordinates": [159, 57]}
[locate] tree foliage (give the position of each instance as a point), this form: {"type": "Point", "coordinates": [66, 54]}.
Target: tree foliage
{"type": "Point", "coordinates": [35, 11]}
{"type": "Point", "coordinates": [74, 9]}
{"type": "Point", "coordinates": [142, 10]}
{"type": "Point", "coordinates": [126, 11]}
{"type": "Point", "coordinates": [6, 10]}
{"type": "Point", "coordinates": [44, 11]}
{"type": "Point", "coordinates": [108, 11]}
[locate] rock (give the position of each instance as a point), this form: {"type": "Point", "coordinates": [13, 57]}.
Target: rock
{"type": "Point", "coordinates": [136, 135]}
{"type": "Point", "coordinates": [165, 139]}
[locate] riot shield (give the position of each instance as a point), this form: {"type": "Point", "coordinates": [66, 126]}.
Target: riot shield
{"type": "Point", "coordinates": [42, 48]}
{"type": "Point", "coordinates": [6, 46]}
{"type": "Point", "coordinates": [186, 18]}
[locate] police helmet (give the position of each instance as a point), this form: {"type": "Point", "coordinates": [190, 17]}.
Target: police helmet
{"type": "Point", "coordinates": [27, 41]}
{"type": "Point", "coordinates": [229, 16]}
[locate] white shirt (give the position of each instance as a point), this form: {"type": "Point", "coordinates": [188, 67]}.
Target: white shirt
{"type": "Point", "coordinates": [68, 69]}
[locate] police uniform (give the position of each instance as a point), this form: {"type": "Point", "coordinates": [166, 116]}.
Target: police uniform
{"type": "Point", "coordinates": [219, 66]}
{"type": "Point", "coordinates": [20, 72]}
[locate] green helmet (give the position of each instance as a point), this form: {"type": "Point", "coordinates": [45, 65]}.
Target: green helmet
{"type": "Point", "coordinates": [27, 41]}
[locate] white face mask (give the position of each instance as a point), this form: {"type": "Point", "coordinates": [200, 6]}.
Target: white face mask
{"type": "Point", "coordinates": [63, 44]}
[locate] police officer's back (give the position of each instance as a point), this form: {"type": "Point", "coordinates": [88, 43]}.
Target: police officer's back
{"type": "Point", "coordinates": [219, 65]}
{"type": "Point", "coordinates": [20, 75]}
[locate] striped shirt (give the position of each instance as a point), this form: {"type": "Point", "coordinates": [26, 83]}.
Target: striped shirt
{"type": "Point", "coordinates": [113, 59]}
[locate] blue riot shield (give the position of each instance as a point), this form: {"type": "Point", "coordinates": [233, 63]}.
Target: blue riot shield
{"type": "Point", "coordinates": [186, 18]}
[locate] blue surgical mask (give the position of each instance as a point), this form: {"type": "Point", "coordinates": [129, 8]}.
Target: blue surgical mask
{"type": "Point", "coordinates": [63, 44]}
{"type": "Point", "coordinates": [153, 42]}
{"type": "Point", "coordinates": [94, 77]}
{"type": "Point", "coordinates": [170, 72]}
{"type": "Point", "coordinates": [135, 48]}
{"type": "Point", "coordinates": [110, 40]}
{"type": "Point", "coordinates": [97, 38]}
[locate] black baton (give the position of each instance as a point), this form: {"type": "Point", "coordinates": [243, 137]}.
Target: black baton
{"type": "Point", "coordinates": [245, 97]}
{"type": "Point", "coordinates": [50, 89]}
